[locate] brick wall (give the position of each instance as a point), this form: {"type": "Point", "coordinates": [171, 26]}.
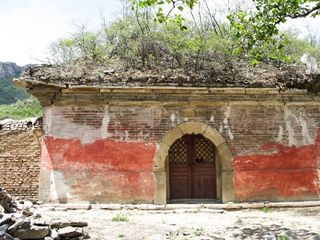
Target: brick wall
{"type": "Point", "coordinates": [103, 150]}
{"type": "Point", "coordinates": [20, 157]}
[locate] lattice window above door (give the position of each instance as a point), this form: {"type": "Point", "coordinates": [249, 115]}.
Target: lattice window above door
{"type": "Point", "coordinates": [204, 150]}
{"type": "Point", "coordinates": [201, 150]}
{"type": "Point", "coordinates": [178, 152]}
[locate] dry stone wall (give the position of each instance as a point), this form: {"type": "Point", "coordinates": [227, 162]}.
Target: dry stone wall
{"type": "Point", "coordinates": [20, 156]}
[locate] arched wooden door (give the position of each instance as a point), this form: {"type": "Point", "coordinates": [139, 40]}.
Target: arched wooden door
{"type": "Point", "coordinates": [192, 171]}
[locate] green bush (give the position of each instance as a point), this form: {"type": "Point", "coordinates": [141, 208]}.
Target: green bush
{"type": "Point", "coordinates": [136, 40]}
{"type": "Point", "coordinates": [21, 109]}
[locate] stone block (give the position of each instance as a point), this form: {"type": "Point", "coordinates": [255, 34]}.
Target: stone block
{"type": "Point", "coordinates": [228, 194]}
{"type": "Point", "coordinates": [172, 136]}
{"type": "Point", "coordinates": [161, 188]}
{"type": "Point", "coordinates": [214, 136]}
{"type": "Point", "coordinates": [193, 128]}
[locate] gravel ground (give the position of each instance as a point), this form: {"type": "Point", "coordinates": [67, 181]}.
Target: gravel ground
{"type": "Point", "coordinates": [204, 224]}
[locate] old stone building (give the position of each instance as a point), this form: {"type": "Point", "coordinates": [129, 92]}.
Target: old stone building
{"type": "Point", "coordinates": [148, 138]}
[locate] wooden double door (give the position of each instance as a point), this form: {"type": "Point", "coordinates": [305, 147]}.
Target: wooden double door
{"type": "Point", "coordinates": [192, 171]}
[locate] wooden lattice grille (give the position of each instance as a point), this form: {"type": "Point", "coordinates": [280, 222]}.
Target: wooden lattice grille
{"type": "Point", "coordinates": [178, 152]}
{"type": "Point", "coordinates": [204, 150]}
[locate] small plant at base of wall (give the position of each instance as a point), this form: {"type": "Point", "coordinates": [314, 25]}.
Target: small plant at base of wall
{"type": "Point", "coordinates": [121, 236]}
{"type": "Point", "coordinates": [198, 232]}
{"type": "Point", "coordinates": [265, 209]}
{"type": "Point", "coordinates": [120, 218]}
{"type": "Point", "coordinates": [282, 238]}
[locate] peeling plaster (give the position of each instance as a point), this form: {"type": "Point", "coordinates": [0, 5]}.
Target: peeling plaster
{"type": "Point", "coordinates": [291, 136]}
{"type": "Point", "coordinates": [172, 117]}
{"type": "Point", "coordinates": [280, 134]}
{"type": "Point", "coordinates": [230, 134]}
{"type": "Point", "coordinates": [105, 124]}
{"type": "Point", "coordinates": [62, 127]}
{"type": "Point", "coordinates": [126, 136]}
{"type": "Point", "coordinates": [175, 119]}
{"type": "Point", "coordinates": [225, 123]}
{"type": "Point", "coordinates": [59, 190]}
{"type": "Point", "coordinates": [298, 117]}
{"type": "Point", "coordinates": [47, 119]}
{"type": "Point", "coordinates": [306, 137]}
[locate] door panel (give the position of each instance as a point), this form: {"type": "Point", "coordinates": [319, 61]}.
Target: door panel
{"type": "Point", "coordinates": [203, 185]}
{"type": "Point", "coordinates": [180, 180]}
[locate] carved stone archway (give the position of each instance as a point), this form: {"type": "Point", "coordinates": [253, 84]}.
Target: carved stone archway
{"type": "Point", "coordinates": [225, 174]}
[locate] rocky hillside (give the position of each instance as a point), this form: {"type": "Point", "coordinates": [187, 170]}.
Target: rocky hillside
{"type": "Point", "coordinates": [8, 92]}
{"type": "Point", "coordinates": [9, 69]}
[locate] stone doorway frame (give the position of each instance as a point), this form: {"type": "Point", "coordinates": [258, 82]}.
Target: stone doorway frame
{"type": "Point", "coordinates": [224, 166]}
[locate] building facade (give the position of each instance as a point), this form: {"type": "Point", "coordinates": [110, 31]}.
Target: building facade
{"type": "Point", "coordinates": [155, 144]}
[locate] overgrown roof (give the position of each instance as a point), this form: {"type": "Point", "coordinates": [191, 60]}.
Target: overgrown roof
{"type": "Point", "coordinates": [237, 74]}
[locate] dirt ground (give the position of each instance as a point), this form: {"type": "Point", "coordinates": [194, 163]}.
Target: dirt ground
{"type": "Point", "coordinates": [196, 223]}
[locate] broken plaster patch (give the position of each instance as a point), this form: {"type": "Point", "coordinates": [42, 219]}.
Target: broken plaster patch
{"type": "Point", "coordinates": [225, 124]}
{"type": "Point", "coordinates": [105, 124]}
{"type": "Point", "coordinates": [62, 127]}
{"type": "Point", "coordinates": [280, 134]}
{"type": "Point", "coordinates": [287, 115]}
{"type": "Point", "coordinates": [59, 190]}
{"type": "Point", "coordinates": [304, 129]}
{"type": "Point", "coordinates": [298, 117]}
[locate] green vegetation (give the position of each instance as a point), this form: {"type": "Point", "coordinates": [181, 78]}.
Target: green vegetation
{"type": "Point", "coordinates": [21, 109]}
{"type": "Point", "coordinates": [9, 93]}
{"type": "Point", "coordinates": [161, 15]}
{"type": "Point", "coordinates": [265, 209]}
{"type": "Point", "coordinates": [120, 218]}
{"type": "Point", "coordinates": [255, 32]}
{"type": "Point", "coordinates": [121, 236]}
{"type": "Point", "coordinates": [283, 238]}
{"type": "Point", "coordinates": [198, 232]}
{"type": "Point", "coordinates": [206, 43]}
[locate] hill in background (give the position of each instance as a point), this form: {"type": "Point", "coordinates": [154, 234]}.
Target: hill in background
{"type": "Point", "coordinates": [9, 93]}
{"type": "Point", "coordinates": [15, 103]}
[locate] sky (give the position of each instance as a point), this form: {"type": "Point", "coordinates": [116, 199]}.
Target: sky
{"type": "Point", "coordinates": [27, 27]}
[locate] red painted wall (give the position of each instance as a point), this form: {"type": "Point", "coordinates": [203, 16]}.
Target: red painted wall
{"type": "Point", "coordinates": [286, 173]}
{"type": "Point", "coordinates": [106, 154]}
{"type": "Point", "coordinates": [103, 170]}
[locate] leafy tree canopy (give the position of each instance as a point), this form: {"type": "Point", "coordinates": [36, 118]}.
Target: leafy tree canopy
{"type": "Point", "coordinates": [254, 31]}
{"type": "Point", "coordinates": [171, 5]}
{"type": "Point", "coordinates": [257, 30]}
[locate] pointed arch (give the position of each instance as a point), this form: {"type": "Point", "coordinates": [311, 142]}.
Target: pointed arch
{"type": "Point", "coordinates": [225, 174]}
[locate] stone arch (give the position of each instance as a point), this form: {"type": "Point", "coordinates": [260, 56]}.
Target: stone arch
{"type": "Point", "coordinates": [225, 176]}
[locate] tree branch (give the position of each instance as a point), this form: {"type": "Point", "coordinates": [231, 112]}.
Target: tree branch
{"type": "Point", "coordinates": [306, 13]}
